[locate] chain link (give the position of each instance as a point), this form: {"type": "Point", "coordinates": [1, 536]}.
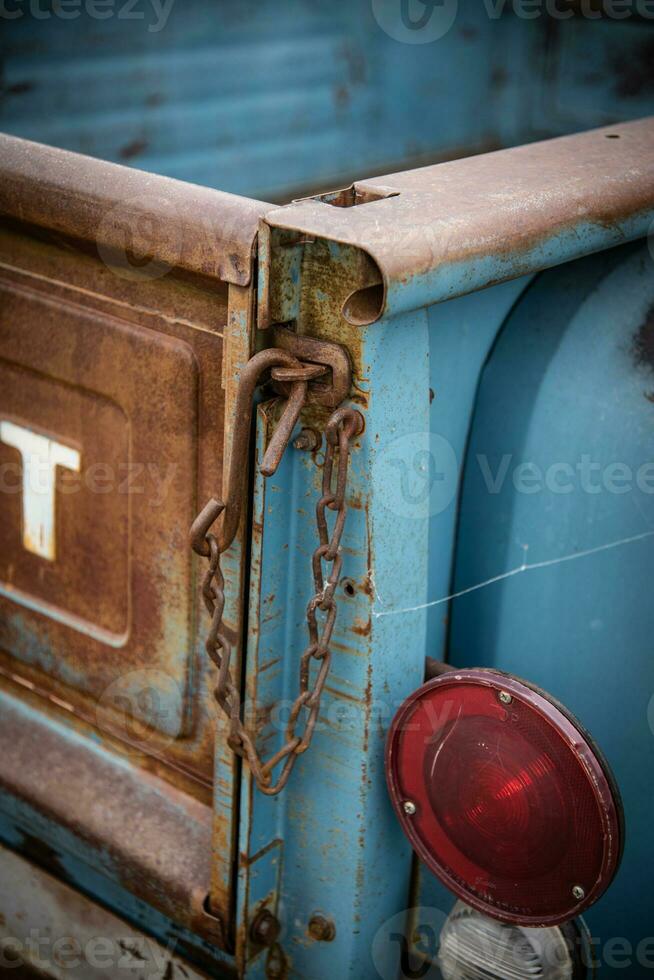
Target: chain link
{"type": "Point", "coordinates": [343, 426]}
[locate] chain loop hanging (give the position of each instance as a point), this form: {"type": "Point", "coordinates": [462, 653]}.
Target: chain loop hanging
{"type": "Point", "coordinates": [210, 542]}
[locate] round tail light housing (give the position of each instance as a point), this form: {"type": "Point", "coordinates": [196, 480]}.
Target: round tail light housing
{"type": "Point", "coordinates": [504, 797]}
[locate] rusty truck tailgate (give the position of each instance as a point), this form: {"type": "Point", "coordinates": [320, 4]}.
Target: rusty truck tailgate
{"type": "Point", "coordinates": [125, 311]}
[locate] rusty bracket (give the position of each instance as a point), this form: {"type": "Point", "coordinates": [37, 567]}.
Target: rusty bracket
{"type": "Point", "coordinates": [333, 390]}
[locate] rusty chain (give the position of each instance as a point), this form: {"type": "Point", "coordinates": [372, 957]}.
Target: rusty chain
{"type": "Point", "coordinates": [342, 427]}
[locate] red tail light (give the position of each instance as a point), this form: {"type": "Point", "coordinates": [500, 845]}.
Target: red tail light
{"type": "Point", "coordinates": [504, 797]}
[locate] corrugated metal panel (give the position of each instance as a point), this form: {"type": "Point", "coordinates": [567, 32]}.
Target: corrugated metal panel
{"type": "Point", "coordinates": [252, 98]}
{"type": "Point", "coordinates": [269, 98]}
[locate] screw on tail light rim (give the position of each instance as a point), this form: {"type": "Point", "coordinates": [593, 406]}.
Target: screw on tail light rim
{"type": "Point", "coordinates": [505, 799]}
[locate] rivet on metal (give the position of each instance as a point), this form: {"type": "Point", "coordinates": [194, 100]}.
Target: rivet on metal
{"type": "Point", "coordinates": [409, 807]}
{"type": "Point", "coordinates": [265, 928]}
{"type": "Point", "coordinates": [308, 440]}
{"type": "Point", "coordinates": [276, 964]}
{"type": "Point", "coordinates": [321, 928]}
{"type": "Point", "coordinates": [505, 697]}
{"type": "Point", "coordinates": [578, 892]}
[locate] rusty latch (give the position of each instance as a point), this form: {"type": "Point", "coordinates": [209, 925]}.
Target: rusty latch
{"type": "Point", "coordinates": [331, 391]}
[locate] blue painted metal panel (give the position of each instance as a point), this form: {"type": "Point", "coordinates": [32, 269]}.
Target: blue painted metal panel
{"type": "Point", "coordinates": [458, 278]}
{"type": "Point", "coordinates": [552, 556]}
{"type": "Point", "coordinates": [614, 82]}
{"type": "Point", "coordinates": [461, 335]}
{"type": "Point", "coordinates": [343, 852]}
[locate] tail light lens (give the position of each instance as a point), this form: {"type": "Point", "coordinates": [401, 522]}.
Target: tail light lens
{"type": "Point", "coordinates": [504, 797]}
{"type": "Point", "coordinates": [474, 947]}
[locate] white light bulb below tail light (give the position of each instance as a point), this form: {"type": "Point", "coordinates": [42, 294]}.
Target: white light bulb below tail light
{"type": "Point", "coordinates": [476, 947]}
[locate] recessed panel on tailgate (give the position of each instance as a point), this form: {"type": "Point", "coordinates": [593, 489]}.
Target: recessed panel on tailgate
{"type": "Point", "coordinates": [98, 449]}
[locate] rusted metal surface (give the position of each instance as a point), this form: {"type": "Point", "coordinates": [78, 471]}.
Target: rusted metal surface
{"type": "Point", "coordinates": [446, 230]}
{"type": "Point", "coordinates": [265, 928]}
{"type": "Point", "coordinates": [96, 631]}
{"type": "Point", "coordinates": [134, 826]}
{"type": "Point", "coordinates": [251, 376]}
{"type": "Point", "coordinates": [207, 232]}
{"type": "Point", "coordinates": [51, 929]}
{"type": "Point", "coordinates": [341, 429]}
{"type": "Point", "coordinates": [309, 440]}
{"type": "Point", "coordinates": [79, 377]}
{"type": "Point", "coordinates": [321, 928]}
{"type": "Point", "coordinates": [332, 391]}
{"type": "Point", "coordinates": [125, 356]}
{"type": "Point", "coordinates": [298, 377]}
